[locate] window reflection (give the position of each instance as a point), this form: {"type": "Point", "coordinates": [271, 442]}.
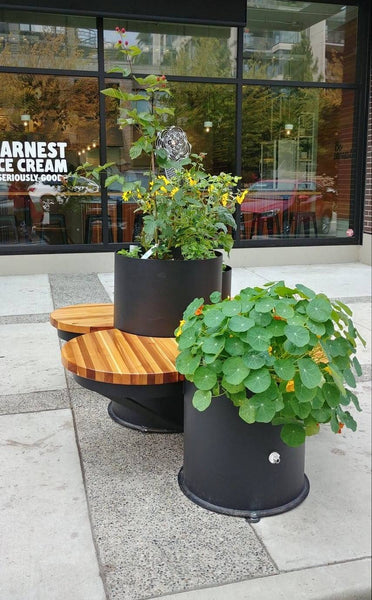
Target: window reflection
{"type": "Point", "coordinates": [300, 41]}
{"type": "Point", "coordinates": [47, 124]}
{"type": "Point", "coordinates": [47, 41]}
{"type": "Point", "coordinates": [175, 49]}
{"type": "Point", "coordinates": [297, 162]}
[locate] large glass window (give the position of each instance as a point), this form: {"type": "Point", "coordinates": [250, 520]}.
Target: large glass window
{"type": "Point", "coordinates": [175, 49]}
{"type": "Point", "coordinates": [300, 41]}
{"type": "Point", "coordinates": [47, 41]}
{"type": "Point", "coordinates": [297, 162]}
{"type": "Point", "coordinates": [47, 124]}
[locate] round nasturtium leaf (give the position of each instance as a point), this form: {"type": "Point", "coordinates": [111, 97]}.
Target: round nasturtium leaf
{"type": "Point", "coordinates": [258, 380]}
{"type": "Point", "coordinates": [231, 308]}
{"type": "Point", "coordinates": [265, 305]}
{"type": "Point", "coordinates": [234, 346]}
{"type": "Point", "coordinates": [258, 338]}
{"type": "Point", "coordinates": [187, 363]}
{"type": "Point", "coordinates": [213, 345]}
{"type": "Point", "coordinates": [284, 368]}
{"type": "Point", "coordinates": [293, 434]}
{"type": "Point", "coordinates": [298, 335]}
{"type": "Point", "coordinates": [205, 378]}
{"type": "Point", "coordinates": [235, 370]}
{"type": "Point", "coordinates": [247, 411]}
{"type": "Point", "coordinates": [214, 317]}
{"type": "Point", "coordinates": [319, 309]}
{"type": "Point", "coordinates": [331, 394]}
{"type": "Point", "coordinates": [254, 360]}
{"type": "Point", "coordinates": [239, 323]}
{"type": "Point", "coordinates": [202, 399]}
{"type": "Point", "coordinates": [284, 310]}
{"type": "Point", "coordinates": [310, 374]}
{"type": "Point", "coordinates": [265, 409]}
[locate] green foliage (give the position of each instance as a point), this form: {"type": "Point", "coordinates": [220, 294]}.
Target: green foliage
{"type": "Point", "coordinates": [282, 355]}
{"type": "Point", "coordinates": [190, 214]}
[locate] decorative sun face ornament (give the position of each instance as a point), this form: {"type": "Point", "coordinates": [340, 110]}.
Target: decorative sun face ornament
{"type": "Point", "coordinates": [175, 142]}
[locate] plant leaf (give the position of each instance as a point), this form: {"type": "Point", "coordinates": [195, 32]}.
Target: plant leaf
{"type": "Point", "coordinates": [310, 374]}
{"type": "Point", "coordinates": [258, 380]}
{"type": "Point", "coordinates": [205, 378]}
{"type": "Point", "coordinates": [202, 399]}
{"type": "Point", "coordinates": [293, 434]}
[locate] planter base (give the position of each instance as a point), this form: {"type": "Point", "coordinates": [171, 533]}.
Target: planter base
{"type": "Point", "coordinates": [251, 515]}
{"type": "Point", "coordinates": [147, 408]}
{"type": "Point", "coordinates": [144, 420]}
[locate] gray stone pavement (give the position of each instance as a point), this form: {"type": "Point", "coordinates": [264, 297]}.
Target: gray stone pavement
{"type": "Point", "coordinates": [90, 510]}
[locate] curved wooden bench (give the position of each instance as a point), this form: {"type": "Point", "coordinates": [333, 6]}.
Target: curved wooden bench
{"type": "Point", "coordinates": [137, 373]}
{"type": "Point", "coordinates": [78, 319]}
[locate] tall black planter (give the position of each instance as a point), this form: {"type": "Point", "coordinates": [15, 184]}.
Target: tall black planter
{"type": "Point", "coordinates": [231, 467]}
{"type": "Point", "coordinates": [151, 295]}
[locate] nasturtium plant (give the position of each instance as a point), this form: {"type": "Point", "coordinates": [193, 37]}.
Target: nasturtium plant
{"type": "Point", "coordinates": [282, 355]}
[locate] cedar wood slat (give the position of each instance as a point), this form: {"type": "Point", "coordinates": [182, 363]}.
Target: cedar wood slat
{"type": "Point", "coordinates": [83, 318]}
{"type": "Point", "coordinates": [113, 356]}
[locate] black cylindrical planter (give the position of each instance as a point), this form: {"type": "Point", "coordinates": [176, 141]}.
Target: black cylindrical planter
{"type": "Point", "coordinates": [226, 281]}
{"type": "Point", "coordinates": [229, 466]}
{"type": "Point", "coordinates": [151, 295]}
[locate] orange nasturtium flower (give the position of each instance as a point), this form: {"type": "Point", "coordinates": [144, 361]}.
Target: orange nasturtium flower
{"type": "Point", "coordinates": [199, 310]}
{"type": "Point", "coordinates": [340, 426]}
{"type": "Point", "coordinates": [290, 386]}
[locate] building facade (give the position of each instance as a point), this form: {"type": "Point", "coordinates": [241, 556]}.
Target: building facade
{"type": "Point", "coordinates": [275, 91]}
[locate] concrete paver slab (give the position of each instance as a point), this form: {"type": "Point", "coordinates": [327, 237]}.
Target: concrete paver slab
{"type": "Point", "coordinates": [336, 280]}
{"type": "Point", "coordinates": [152, 540]}
{"type": "Point", "coordinates": [25, 294]}
{"type": "Point", "coordinates": [46, 546]}
{"type": "Point", "coordinates": [333, 524]}
{"type": "Point", "coordinates": [345, 581]}
{"type": "Point", "coordinates": [30, 359]}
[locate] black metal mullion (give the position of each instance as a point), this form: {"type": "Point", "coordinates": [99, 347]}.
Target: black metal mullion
{"type": "Point", "coordinates": [102, 130]}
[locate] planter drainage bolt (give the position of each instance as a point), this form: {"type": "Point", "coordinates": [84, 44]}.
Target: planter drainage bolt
{"type": "Point", "coordinates": [274, 458]}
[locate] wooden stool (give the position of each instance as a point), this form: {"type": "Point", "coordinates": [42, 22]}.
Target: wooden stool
{"type": "Point", "coordinates": [305, 218]}
{"type": "Point", "coordinates": [270, 217]}
{"type": "Point", "coordinates": [82, 318]}
{"type": "Point", "coordinates": [137, 373]}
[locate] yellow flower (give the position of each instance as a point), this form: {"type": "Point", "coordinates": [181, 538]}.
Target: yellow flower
{"type": "Point", "coordinates": [328, 370]}
{"type": "Point", "coordinates": [241, 196]}
{"type": "Point", "coordinates": [210, 189]}
{"type": "Point", "coordinates": [224, 199]}
{"type": "Point", "coordinates": [125, 196]}
{"type": "Point", "coordinates": [192, 181]}
{"type": "Point", "coordinates": [162, 178]}
{"type": "Point", "coordinates": [290, 386]}
{"type": "Point", "coordinates": [179, 328]}
{"type": "Point", "coordinates": [163, 189]}
{"type": "Point", "coordinates": [270, 349]}
{"type": "Point", "coordinates": [174, 191]}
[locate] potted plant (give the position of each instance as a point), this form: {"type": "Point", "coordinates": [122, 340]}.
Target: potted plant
{"type": "Point", "coordinates": [264, 370]}
{"type": "Point", "coordinates": [187, 213]}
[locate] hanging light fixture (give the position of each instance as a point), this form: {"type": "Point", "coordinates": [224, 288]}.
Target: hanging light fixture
{"type": "Point", "coordinates": [208, 126]}
{"type": "Point", "coordinates": [288, 128]}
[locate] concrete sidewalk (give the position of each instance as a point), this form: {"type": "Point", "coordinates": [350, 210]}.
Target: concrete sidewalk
{"type": "Point", "coordinates": [92, 511]}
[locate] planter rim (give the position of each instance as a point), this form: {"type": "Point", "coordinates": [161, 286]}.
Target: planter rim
{"type": "Point", "coordinates": [218, 253]}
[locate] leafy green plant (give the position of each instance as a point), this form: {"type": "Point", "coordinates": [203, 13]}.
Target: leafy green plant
{"type": "Point", "coordinates": [282, 355]}
{"type": "Point", "coordinates": [187, 215]}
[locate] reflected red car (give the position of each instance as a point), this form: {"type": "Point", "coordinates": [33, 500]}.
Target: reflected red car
{"type": "Point", "coordinates": [285, 206]}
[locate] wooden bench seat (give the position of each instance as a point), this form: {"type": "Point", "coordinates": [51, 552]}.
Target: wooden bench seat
{"type": "Point", "coordinates": [137, 373]}
{"type": "Point", "coordinates": [82, 318]}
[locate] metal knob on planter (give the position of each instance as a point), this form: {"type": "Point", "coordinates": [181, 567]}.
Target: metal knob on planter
{"type": "Point", "coordinates": [274, 458]}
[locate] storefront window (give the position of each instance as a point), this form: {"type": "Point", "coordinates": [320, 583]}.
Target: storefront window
{"type": "Point", "coordinates": [47, 124]}
{"type": "Point", "coordinates": [38, 40]}
{"type": "Point", "coordinates": [297, 162]}
{"type": "Point", "coordinates": [175, 49]}
{"type": "Point", "coordinates": [300, 41]}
